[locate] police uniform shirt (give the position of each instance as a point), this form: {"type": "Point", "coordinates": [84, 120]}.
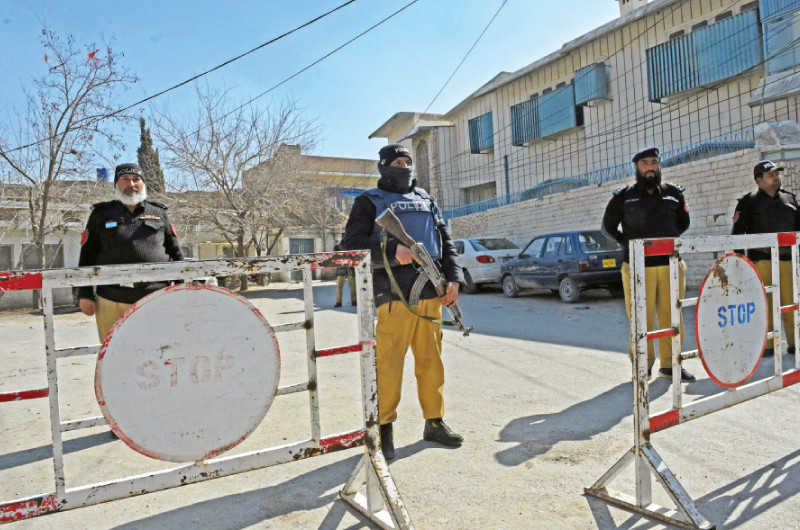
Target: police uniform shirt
{"type": "Point", "coordinates": [758, 213]}
{"type": "Point", "coordinates": [116, 235]}
{"type": "Point", "coordinates": [633, 213]}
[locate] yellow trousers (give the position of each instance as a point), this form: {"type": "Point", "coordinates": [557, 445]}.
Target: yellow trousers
{"type": "Point", "coordinates": [340, 286]}
{"type": "Point", "coordinates": [398, 329]}
{"type": "Point", "coordinates": [787, 286]}
{"type": "Point", "coordinates": [106, 314]}
{"type": "Point", "coordinates": [656, 285]}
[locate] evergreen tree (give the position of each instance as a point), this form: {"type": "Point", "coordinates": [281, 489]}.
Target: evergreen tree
{"type": "Point", "coordinates": [149, 161]}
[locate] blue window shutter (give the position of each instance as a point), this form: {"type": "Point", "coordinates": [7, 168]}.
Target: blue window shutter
{"type": "Point", "coordinates": [591, 82]}
{"type": "Point", "coordinates": [557, 110]}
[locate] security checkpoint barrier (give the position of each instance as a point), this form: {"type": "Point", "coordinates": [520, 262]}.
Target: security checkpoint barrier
{"type": "Point", "coordinates": [190, 349]}
{"type": "Point", "coordinates": [731, 331]}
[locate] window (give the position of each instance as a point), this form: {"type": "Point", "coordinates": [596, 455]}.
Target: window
{"type": "Point", "coordinates": [547, 91]}
{"type": "Point", "coordinates": [492, 243]}
{"type": "Point", "coordinates": [723, 16]}
{"type": "Point", "coordinates": [534, 249]}
{"type": "Point", "coordinates": [781, 35]}
{"type": "Point", "coordinates": [481, 134]}
{"type": "Point", "coordinates": [557, 111]}
{"type": "Point", "coordinates": [566, 250]}
{"type": "Point", "coordinates": [459, 246]}
{"type": "Point", "coordinates": [525, 122]}
{"type": "Point", "coordinates": [553, 246]}
{"type": "Point", "coordinates": [700, 25]}
{"type": "Point", "coordinates": [596, 241]}
{"type": "Point", "coordinates": [677, 35]}
{"type": "Point", "coordinates": [6, 264]}
{"type": "Point", "coordinates": [748, 7]}
{"type": "Point", "coordinates": [561, 85]}
{"type": "Point", "coordinates": [710, 54]}
{"type": "Point", "coordinates": [591, 82]}
{"type": "Point", "coordinates": [53, 257]}
{"type": "Point", "coordinates": [481, 192]}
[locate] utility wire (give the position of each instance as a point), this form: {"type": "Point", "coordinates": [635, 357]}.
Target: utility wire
{"type": "Point", "coordinates": [193, 78]}
{"type": "Point", "coordinates": [462, 62]}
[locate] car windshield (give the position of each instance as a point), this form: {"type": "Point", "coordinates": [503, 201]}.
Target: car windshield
{"type": "Point", "coordinates": [492, 243]}
{"type": "Point", "coordinates": [597, 242]}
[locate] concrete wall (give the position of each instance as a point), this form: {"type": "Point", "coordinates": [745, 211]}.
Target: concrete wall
{"type": "Point", "coordinates": [712, 189]}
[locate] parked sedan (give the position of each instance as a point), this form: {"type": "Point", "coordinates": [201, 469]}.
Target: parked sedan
{"type": "Point", "coordinates": [481, 258]}
{"type": "Point", "coordinates": [566, 263]}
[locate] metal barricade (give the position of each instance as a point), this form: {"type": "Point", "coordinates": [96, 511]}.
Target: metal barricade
{"type": "Point", "coordinates": [646, 460]}
{"type": "Point", "coordinates": [380, 501]}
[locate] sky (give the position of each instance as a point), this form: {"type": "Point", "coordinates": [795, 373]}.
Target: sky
{"type": "Point", "coordinates": [399, 66]}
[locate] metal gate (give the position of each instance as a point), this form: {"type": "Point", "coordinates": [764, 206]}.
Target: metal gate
{"type": "Point", "coordinates": [646, 460]}
{"type": "Point", "coordinates": [380, 501]}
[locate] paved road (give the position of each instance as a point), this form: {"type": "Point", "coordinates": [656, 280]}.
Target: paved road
{"type": "Point", "coordinates": [541, 390]}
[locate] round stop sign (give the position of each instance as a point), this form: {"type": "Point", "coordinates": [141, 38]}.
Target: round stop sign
{"type": "Point", "coordinates": [731, 320]}
{"type": "Point", "coordinates": [187, 373]}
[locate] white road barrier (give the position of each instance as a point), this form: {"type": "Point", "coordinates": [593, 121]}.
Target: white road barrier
{"type": "Point", "coordinates": [190, 371]}
{"type": "Point", "coordinates": [731, 331]}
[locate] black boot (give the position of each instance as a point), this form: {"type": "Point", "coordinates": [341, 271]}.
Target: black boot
{"type": "Point", "coordinates": [437, 430]}
{"type": "Point", "coordinates": [387, 441]}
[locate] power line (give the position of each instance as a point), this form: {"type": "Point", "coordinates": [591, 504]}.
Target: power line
{"type": "Point", "coordinates": [193, 78]}
{"type": "Point", "coordinates": [462, 61]}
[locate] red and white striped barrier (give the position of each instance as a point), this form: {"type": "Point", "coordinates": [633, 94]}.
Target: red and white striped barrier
{"type": "Point", "coordinates": [174, 363]}
{"type": "Point", "coordinates": [731, 331]}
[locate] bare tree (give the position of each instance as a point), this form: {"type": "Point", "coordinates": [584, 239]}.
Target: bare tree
{"type": "Point", "coordinates": [62, 129]}
{"type": "Point", "coordinates": [247, 187]}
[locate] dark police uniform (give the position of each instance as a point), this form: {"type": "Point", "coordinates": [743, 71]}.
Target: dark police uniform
{"type": "Point", "coordinates": [115, 235]}
{"type": "Point", "coordinates": [633, 213]}
{"type": "Point", "coordinates": [758, 213]}
{"type": "Point", "coordinates": [397, 328]}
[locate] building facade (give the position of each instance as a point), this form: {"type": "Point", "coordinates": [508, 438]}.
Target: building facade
{"type": "Point", "coordinates": [695, 77]}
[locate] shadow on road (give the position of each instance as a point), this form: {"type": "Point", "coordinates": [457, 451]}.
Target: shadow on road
{"type": "Point", "coordinates": [730, 506]}
{"type": "Point", "coordinates": [535, 435]}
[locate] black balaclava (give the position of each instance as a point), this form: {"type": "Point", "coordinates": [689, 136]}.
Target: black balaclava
{"type": "Point", "coordinates": [395, 178]}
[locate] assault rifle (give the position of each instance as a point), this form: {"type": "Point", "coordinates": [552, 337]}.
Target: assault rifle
{"type": "Point", "coordinates": [430, 272]}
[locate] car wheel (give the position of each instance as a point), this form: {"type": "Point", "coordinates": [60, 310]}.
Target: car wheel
{"type": "Point", "coordinates": [470, 286]}
{"type": "Point", "coordinates": [510, 288]}
{"type": "Point", "coordinates": [568, 290]}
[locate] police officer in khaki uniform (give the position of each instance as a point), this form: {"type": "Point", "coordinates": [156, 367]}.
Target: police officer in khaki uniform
{"type": "Point", "coordinates": [650, 209]}
{"type": "Point", "coordinates": [344, 274]}
{"type": "Point", "coordinates": [398, 328]}
{"type": "Point", "coordinates": [770, 209]}
{"type": "Point", "coordinates": [129, 229]}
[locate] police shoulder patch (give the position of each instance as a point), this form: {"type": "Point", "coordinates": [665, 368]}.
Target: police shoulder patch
{"type": "Point", "coordinates": [101, 205]}
{"type": "Point", "coordinates": [677, 186]}
{"type": "Point", "coordinates": [157, 204]}
{"type": "Point", "coordinates": [620, 191]}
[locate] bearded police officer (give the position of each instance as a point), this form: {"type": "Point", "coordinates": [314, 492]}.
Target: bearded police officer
{"type": "Point", "coordinates": [650, 209]}
{"type": "Point", "coordinates": [770, 209]}
{"type": "Point", "coordinates": [398, 328]}
{"type": "Point", "coordinates": [129, 229]}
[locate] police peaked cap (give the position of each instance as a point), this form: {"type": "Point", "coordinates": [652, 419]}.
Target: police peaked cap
{"type": "Point", "coordinates": [389, 152]}
{"type": "Point", "coordinates": [127, 169]}
{"type": "Point", "coordinates": [765, 166]}
{"type": "Point", "coordinates": [645, 153]}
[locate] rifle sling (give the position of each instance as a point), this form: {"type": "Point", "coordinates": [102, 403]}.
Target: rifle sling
{"type": "Point", "coordinates": [396, 288]}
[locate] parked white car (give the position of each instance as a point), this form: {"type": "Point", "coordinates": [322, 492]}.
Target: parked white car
{"type": "Point", "coordinates": [481, 258]}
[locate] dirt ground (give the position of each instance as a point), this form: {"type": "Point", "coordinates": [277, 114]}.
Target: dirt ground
{"type": "Point", "coordinates": [541, 391]}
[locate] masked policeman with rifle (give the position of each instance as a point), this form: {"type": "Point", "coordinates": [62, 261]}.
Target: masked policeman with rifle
{"type": "Point", "coordinates": [409, 311]}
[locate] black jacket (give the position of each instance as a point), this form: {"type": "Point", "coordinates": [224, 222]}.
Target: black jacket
{"type": "Point", "coordinates": [758, 213]}
{"type": "Point", "coordinates": [633, 213]}
{"type": "Point", "coordinates": [114, 235]}
{"type": "Point", "coordinates": [358, 235]}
